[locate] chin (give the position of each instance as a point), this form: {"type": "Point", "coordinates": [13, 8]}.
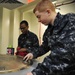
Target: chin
{"type": "Point", "coordinates": [46, 24]}
{"type": "Point", "coordinates": [23, 33]}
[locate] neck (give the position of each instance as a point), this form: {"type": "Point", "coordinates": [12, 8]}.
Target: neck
{"type": "Point", "coordinates": [53, 17]}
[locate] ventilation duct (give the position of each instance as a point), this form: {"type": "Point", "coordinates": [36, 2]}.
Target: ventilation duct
{"type": "Point", "coordinates": [10, 4]}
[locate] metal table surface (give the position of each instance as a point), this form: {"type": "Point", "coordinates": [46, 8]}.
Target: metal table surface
{"type": "Point", "coordinates": [22, 71]}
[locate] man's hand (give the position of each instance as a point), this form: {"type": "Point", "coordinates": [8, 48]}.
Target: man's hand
{"type": "Point", "coordinates": [29, 56]}
{"type": "Point", "coordinates": [29, 73]}
{"type": "Point", "coordinates": [22, 49]}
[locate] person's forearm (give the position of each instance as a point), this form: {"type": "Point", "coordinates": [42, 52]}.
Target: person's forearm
{"type": "Point", "coordinates": [22, 49]}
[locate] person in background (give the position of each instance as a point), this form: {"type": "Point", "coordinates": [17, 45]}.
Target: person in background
{"type": "Point", "coordinates": [27, 41]}
{"type": "Point", "coordinates": [59, 37]}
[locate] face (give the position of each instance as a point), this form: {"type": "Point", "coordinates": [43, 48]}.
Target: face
{"type": "Point", "coordinates": [43, 17]}
{"type": "Point", "coordinates": [23, 28]}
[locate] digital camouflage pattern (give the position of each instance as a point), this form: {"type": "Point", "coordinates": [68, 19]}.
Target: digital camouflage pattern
{"type": "Point", "coordinates": [60, 39]}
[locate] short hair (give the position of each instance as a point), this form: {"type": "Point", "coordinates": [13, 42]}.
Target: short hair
{"type": "Point", "coordinates": [43, 5]}
{"type": "Point", "coordinates": [24, 22]}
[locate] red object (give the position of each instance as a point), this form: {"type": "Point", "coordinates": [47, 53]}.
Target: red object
{"type": "Point", "coordinates": [29, 1]}
{"type": "Point", "coordinates": [9, 51]}
{"type": "Point", "coordinates": [18, 48]}
{"type": "Point", "coordinates": [22, 53]}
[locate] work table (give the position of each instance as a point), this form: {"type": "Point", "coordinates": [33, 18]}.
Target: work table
{"type": "Point", "coordinates": [12, 65]}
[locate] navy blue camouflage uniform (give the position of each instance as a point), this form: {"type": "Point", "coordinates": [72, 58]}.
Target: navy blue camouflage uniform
{"type": "Point", "coordinates": [29, 41]}
{"type": "Point", "coordinates": [60, 39]}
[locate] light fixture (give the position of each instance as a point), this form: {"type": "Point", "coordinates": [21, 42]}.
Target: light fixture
{"type": "Point", "coordinates": [29, 1]}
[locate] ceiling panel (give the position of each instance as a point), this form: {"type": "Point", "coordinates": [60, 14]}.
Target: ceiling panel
{"type": "Point", "coordinates": [23, 1]}
{"type": "Point", "coordinates": [10, 4]}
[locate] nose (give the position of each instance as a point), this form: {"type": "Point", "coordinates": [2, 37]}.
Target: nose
{"type": "Point", "coordinates": [39, 20]}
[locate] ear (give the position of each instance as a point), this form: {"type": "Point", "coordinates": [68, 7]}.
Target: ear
{"type": "Point", "coordinates": [48, 11]}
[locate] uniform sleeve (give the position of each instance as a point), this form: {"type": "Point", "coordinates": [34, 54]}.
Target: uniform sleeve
{"type": "Point", "coordinates": [41, 50]}
{"type": "Point", "coordinates": [62, 57]}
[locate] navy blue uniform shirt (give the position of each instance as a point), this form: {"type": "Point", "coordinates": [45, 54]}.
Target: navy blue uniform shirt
{"type": "Point", "coordinates": [29, 41]}
{"type": "Point", "coordinates": [60, 39]}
